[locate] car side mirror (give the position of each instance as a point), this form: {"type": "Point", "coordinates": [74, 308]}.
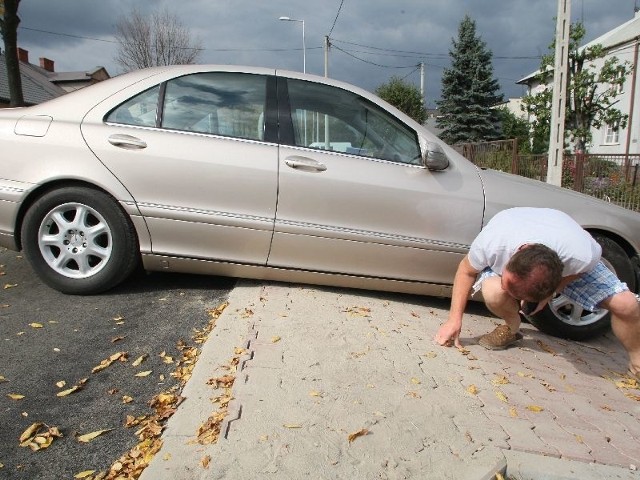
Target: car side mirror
{"type": "Point", "coordinates": [434, 158]}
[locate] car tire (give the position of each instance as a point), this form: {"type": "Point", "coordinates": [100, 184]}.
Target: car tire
{"type": "Point", "coordinates": [562, 318]}
{"type": "Point", "coordinates": [79, 240]}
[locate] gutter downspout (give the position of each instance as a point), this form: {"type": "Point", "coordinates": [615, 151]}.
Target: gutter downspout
{"type": "Point", "coordinates": [631, 106]}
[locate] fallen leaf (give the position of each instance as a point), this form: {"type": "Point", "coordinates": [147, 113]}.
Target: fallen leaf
{"type": "Point", "coordinates": [205, 461]}
{"type": "Point", "coordinates": [415, 381]}
{"type": "Point", "coordinates": [579, 438]}
{"type": "Point", "coordinates": [358, 311]}
{"type": "Point", "coordinates": [87, 437]}
{"type": "Point", "coordinates": [499, 476]}
{"type": "Point", "coordinates": [116, 339]}
{"type": "Point", "coordinates": [535, 408]}
{"type": "Point", "coordinates": [15, 396]}
{"type": "Point", "coordinates": [36, 325]}
{"type": "Point", "coordinates": [30, 431]}
{"type": "Point", "coordinates": [513, 412]}
{"type": "Point", "coordinates": [431, 354]}
{"type": "Point", "coordinates": [292, 425]}
{"type": "Point", "coordinates": [61, 384]}
{"type": "Point", "coordinates": [359, 433]}
{"type": "Point", "coordinates": [10, 285]}
{"type": "Point", "coordinates": [75, 388]}
{"type": "Point", "coordinates": [122, 356]}
{"type": "Point", "coordinates": [139, 360]}
{"type": "Point", "coordinates": [126, 399]}
{"type": "Point", "coordinates": [143, 374]}
{"type": "Point", "coordinates": [501, 396]}
{"type": "Point", "coordinates": [85, 474]}
{"type": "Point", "coordinates": [3, 379]}
{"type": "Point", "coordinates": [472, 389]}
{"type": "Point", "coordinates": [546, 347]}
{"type": "Point", "coordinates": [225, 381]}
{"type": "Point", "coordinates": [500, 380]}
{"type": "Point", "coordinates": [314, 393]}
{"type": "Point", "coordinates": [275, 339]}
{"type": "Point", "coordinates": [414, 314]}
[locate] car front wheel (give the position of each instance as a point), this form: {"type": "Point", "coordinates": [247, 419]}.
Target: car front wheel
{"type": "Point", "coordinates": [563, 318]}
{"type": "Point", "coordinates": [79, 241]}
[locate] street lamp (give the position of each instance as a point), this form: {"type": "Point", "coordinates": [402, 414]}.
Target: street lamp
{"type": "Point", "coordinates": [304, 48]}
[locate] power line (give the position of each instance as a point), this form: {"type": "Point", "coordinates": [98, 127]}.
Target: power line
{"type": "Point", "coordinates": [372, 63]}
{"type": "Point", "coordinates": [336, 19]}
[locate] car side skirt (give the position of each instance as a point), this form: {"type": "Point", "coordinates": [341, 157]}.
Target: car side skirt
{"type": "Point", "coordinates": [164, 263]}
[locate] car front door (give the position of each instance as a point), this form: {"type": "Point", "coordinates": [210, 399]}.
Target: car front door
{"type": "Point", "coordinates": [355, 199]}
{"type": "Point", "coordinates": [192, 151]}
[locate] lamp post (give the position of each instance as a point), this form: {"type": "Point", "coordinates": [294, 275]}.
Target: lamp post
{"type": "Point", "coordinates": [304, 48]}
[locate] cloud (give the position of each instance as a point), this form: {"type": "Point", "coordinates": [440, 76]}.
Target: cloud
{"type": "Point", "coordinates": [402, 34]}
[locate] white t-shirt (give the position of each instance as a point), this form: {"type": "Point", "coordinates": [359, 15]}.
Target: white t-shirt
{"type": "Point", "coordinates": [510, 229]}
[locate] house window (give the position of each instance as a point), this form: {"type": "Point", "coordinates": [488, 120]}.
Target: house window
{"type": "Point", "coordinates": [617, 88]}
{"type": "Point", "coordinates": [612, 133]}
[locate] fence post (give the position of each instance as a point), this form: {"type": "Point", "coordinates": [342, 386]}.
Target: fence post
{"type": "Point", "coordinates": [578, 180]}
{"type": "Point", "coordinates": [514, 156]}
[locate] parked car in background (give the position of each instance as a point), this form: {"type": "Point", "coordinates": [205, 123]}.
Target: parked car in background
{"type": "Point", "coordinates": [261, 173]}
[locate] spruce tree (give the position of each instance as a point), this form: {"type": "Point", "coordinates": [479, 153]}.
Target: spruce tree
{"type": "Point", "coordinates": [469, 90]}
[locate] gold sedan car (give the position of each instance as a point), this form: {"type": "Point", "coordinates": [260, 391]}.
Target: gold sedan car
{"type": "Point", "coordinates": [261, 173]}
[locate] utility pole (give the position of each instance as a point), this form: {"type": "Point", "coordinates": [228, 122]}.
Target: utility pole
{"type": "Point", "coordinates": [559, 99]}
{"type": "Point", "coordinates": [422, 82]}
{"type": "Point", "coordinates": [327, 141]}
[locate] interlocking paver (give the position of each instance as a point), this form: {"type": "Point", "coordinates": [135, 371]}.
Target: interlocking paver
{"type": "Point", "coordinates": [324, 364]}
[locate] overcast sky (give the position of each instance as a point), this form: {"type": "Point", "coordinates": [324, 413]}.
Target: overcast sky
{"type": "Point", "coordinates": [372, 40]}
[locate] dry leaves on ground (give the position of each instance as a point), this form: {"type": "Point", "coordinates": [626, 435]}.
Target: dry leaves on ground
{"type": "Point", "coordinates": [358, 311]}
{"type": "Point", "coordinates": [87, 437]}
{"type": "Point", "coordinates": [78, 386]}
{"type": "Point", "coordinates": [39, 436]}
{"type": "Point", "coordinates": [359, 433]}
{"type": "Point", "coordinates": [119, 356]}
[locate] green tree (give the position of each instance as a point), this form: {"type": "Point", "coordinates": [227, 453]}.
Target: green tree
{"type": "Point", "coordinates": [405, 97]}
{"type": "Point", "coordinates": [469, 90]}
{"type": "Point", "coordinates": [513, 126]}
{"type": "Point", "coordinates": [591, 91]}
{"type": "Point", "coordinates": [9, 22]}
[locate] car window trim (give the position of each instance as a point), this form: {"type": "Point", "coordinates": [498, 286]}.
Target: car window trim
{"type": "Point", "coordinates": [160, 106]}
{"type": "Point", "coordinates": [285, 122]}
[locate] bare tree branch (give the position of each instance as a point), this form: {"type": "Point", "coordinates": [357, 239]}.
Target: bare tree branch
{"type": "Point", "coordinates": [160, 39]}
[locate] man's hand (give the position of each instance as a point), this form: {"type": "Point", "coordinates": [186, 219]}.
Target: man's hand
{"type": "Point", "coordinates": [531, 308]}
{"type": "Point", "coordinates": [448, 334]}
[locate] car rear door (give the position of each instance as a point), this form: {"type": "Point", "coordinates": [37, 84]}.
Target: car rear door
{"type": "Point", "coordinates": [193, 153]}
{"type": "Point", "coordinates": [355, 199]}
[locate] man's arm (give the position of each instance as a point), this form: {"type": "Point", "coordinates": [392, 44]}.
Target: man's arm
{"type": "Point", "coordinates": [462, 284]}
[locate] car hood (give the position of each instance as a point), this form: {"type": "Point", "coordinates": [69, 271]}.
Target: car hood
{"type": "Point", "coordinates": [504, 190]}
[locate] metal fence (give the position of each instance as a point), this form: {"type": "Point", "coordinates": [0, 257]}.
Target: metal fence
{"type": "Point", "coordinates": [614, 178]}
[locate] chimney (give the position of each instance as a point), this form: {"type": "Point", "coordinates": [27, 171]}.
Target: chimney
{"type": "Point", "coordinates": [46, 64]}
{"type": "Point", "coordinates": [23, 55]}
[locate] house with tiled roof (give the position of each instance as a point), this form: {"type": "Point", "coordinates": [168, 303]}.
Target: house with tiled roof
{"type": "Point", "coordinates": [41, 82]}
{"type": "Point", "coordinates": [622, 42]}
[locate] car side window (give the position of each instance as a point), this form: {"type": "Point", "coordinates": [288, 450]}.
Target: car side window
{"type": "Point", "coordinates": [330, 118]}
{"type": "Point", "coordinates": [141, 110]}
{"type": "Point", "coordinates": [219, 103]}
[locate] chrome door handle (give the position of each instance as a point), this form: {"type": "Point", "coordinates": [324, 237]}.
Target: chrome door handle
{"type": "Point", "coordinates": [306, 164]}
{"type": "Point", "coordinates": [127, 141]}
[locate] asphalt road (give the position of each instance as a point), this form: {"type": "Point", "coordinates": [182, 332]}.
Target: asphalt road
{"type": "Point", "coordinates": [48, 337]}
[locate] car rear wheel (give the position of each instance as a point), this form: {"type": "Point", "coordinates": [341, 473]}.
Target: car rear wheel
{"type": "Point", "coordinates": [563, 318]}
{"type": "Point", "coordinates": [79, 241]}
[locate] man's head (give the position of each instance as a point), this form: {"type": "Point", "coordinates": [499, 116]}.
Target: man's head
{"type": "Point", "coordinates": [533, 273]}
